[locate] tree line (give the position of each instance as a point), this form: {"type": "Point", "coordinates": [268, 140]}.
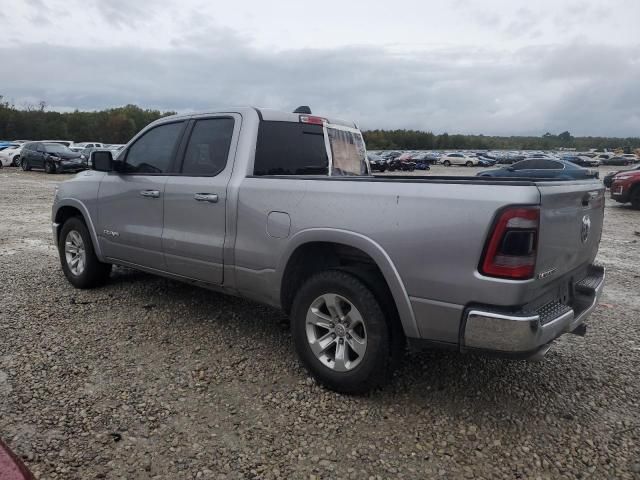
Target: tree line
{"type": "Point", "coordinates": [35, 122]}
{"type": "Point", "coordinates": [118, 125]}
{"type": "Point", "coordinates": [420, 140]}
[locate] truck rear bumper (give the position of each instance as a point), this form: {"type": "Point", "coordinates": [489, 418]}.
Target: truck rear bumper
{"type": "Point", "coordinates": [527, 333]}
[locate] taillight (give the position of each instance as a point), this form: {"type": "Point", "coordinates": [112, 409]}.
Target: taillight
{"type": "Point", "coordinates": [512, 246]}
{"type": "Point", "coordinates": [312, 119]}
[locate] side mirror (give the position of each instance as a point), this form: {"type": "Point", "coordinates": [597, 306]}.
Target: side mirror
{"type": "Point", "coordinates": [101, 161]}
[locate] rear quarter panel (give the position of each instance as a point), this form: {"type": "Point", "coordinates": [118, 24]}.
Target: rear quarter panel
{"type": "Point", "coordinates": [433, 233]}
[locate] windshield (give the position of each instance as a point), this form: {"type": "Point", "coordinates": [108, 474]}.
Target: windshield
{"type": "Point", "coordinates": [347, 152]}
{"type": "Point", "coordinates": [56, 148]}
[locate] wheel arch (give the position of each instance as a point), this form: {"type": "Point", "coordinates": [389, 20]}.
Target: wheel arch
{"type": "Point", "coordinates": [314, 250]}
{"type": "Point", "coordinates": [68, 208]}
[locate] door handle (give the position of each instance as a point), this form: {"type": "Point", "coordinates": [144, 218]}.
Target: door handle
{"type": "Point", "coordinates": [150, 193]}
{"type": "Point", "coordinates": [206, 197]}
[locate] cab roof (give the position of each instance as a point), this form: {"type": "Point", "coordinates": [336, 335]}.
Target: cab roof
{"type": "Point", "coordinates": [267, 114]}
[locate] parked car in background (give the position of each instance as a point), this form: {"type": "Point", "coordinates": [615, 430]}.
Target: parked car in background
{"type": "Point", "coordinates": [542, 168]}
{"type": "Point", "coordinates": [10, 156]}
{"type": "Point", "coordinates": [459, 159]}
{"type": "Point", "coordinates": [536, 155]}
{"type": "Point", "coordinates": [625, 188]}
{"type": "Point", "coordinates": [602, 156]}
{"type": "Point", "coordinates": [425, 157]}
{"type": "Point", "coordinates": [608, 179]}
{"type": "Point", "coordinates": [4, 145]}
{"type": "Point", "coordinates": [616, 161]}
{"type": "Point", "coordinates": [509, 157]}
{"type": "Point", "coordinates": [404, 165]}
{"type": "Point", "coordinates": [66, 143]}
{"type": "Point", "coordinates": [390, 154]}
{"type": "Point", "coordinates": [631, 156]}
{"type": "Point", "coordinates": [582, 160]}
{"type": "Point", "coordinates": [51, 157]}
{"type": "Point", "coordinates": [114, 146]}
{"type": "Point", "coordinates": [89, 144]}
{"type": "Point", "coordinates": [486, 161]}
{"type": "Point", "coordinates": [377, 163]}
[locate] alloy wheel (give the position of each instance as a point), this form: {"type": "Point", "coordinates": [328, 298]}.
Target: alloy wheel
{"type": "Point", "coordinates": [336, 332]}
{"type": "Point", "coordinates": [75, 253]}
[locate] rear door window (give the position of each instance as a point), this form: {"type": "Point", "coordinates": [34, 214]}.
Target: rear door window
{"type": "Point", "coordinates": [208, 147]}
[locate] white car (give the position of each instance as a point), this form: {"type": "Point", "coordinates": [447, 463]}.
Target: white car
{"type": "Point", "coordinates": [83, 145]}
{"type": "Point", "coordinates": [459, 159]}
{"type": "Point", "coordinates": [631, 156]}
{"type": "Point", "coordinates": [10, 156]}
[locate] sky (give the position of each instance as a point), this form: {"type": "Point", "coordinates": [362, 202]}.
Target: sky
{"type": "Point", "coordinates": [493, 67]}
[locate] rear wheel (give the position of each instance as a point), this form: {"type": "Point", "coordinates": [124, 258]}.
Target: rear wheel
{"type": "Point", "coordinates": [78, 258]}
{"type": "Point", "coordinates": [341, 333]}
{"type": "Point", "coordinates": [16, 161]}
{"type": "Point", "coordinates": [24, 164]}
{"type": "Point", "coordinates": [446, 163]}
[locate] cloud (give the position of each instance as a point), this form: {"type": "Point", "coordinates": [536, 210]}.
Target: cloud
{"type": "Point", "coordinates": [537, 89]}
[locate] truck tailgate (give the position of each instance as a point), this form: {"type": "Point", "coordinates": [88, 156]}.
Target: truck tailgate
{"type": "Point", "coordinates": [571, 217]}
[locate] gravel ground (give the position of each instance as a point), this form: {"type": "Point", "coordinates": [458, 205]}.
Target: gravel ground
{"type": "Point", "coordinates": [150, 378]}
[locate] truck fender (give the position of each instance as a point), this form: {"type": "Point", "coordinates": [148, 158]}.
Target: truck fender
{"type": "Point", "coordinates": [368, 246]}
{"type": "Point", "coordinates": [71, 202]}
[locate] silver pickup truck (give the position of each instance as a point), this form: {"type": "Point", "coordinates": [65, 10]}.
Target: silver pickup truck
{"type": "Point", "coordinates": [282, 208]}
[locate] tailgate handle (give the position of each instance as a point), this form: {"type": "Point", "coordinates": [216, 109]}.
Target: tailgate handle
{"type": "Point", "coordinates": [585, 199]}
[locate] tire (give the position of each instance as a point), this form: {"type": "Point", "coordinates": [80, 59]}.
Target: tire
{"type": "Point", "coordinates": [363, 368]}
{"type": "Point", "coordinates": [88, 272]}
{"type": "Point", "coordinates": [16, 161]}
{"type": "Point", "coordinates": [469, 163]}
{"type": "Point", "coordinates": [49, 167]}
{"type": "Point", "coordinates": [24, 164]}
{"type": "Point", "coordinates": [634, 198]}
{"type": "Point", "coordinates": [446, 163]}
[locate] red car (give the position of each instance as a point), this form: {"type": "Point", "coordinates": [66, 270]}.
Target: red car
{"type": "Point", "coordinates": [11, 467]}
{"type": "Point", "coordinates": [626, 188]}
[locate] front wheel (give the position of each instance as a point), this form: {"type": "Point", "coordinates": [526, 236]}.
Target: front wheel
{"type": "Point", "coordinates": [635, 198]}
{"type": "Point", "coordinates": [49, 167]}
{"type": "Point", "coordinates": [341, 333]}
{"type": "Point", "coordinates": [24, 164]}
{"type": "Point", "coordinates": [78, 258]}
{"type": "Point", "coordinates": [469, 163]}
{"type": "Point", "coordinates": [446, 163]}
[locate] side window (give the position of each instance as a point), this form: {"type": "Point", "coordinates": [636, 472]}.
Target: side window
{"type": "Point", "coordinates": [549, 165]}
{"type": "Point", "coordinates": [208, 147]}
{"type": "Point", "coordinates": [524, 165]}
{"type": "Point", "coordinates": [152, 153]}
{"type": "Point", "coordinates": [289, 148]}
